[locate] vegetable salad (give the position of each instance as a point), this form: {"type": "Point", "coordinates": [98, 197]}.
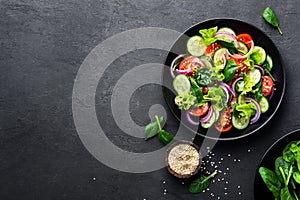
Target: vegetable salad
{"type": "Point", "coordinates": [224, 80]}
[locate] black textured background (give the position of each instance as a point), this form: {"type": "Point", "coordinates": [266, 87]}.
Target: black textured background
{"type": "Point", "coordinates": [42, 45]}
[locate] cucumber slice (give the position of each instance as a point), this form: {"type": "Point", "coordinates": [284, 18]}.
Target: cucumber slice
{"type": "Point", "coordinates": [196, 46]}
{"type": "Point", "coordinates": [218, 58]}
{"type": "Point", "coordinates": [258, 55]}
{"type": "Point", "coordinates": [226, 29]}
{"type": "Point", "coordinates": [264, 104]}
{"type": "Point", "coordinates": [181, 84]}
{"type": "Point", "coordinates": [217, 115]}
{"type": "Point", "coordinates": [240, 123]}
{"type": "Point", "coordinates": [270, 62]}
{"type": "Point", "coordinates": [255, 75]}
{"type": "Point", "coordinates": [209, 123]}
{"type": "Point", "coordinates": [207, 61]}
{"type": "Point", "coordinates": [225, 38]}
{"type": "Point", "coordinates": [242, 48]}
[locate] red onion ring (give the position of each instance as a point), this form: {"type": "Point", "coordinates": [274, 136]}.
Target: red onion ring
{"type": "Point", "coordinates": [198, 60]}
{"type": "Point", "coordinates": [229, 88]}
{"type": "Point", "coordinates": [238, 56]}
{"type": "Point", "coordinates": [272, 93]}
{"type": "Point", "coordinates": [187, 71]}
{"type": "Point", "coordinates": [172, 64]}
{"type": "Point", "coordinates": [236, 43]}
{"type": "Point", "coordinates": [235, 81]}
{"type": "Point", "coordinates": [227, 93]}
{"type": "Point", "coordinates": [258, 112]}
{"type": "Point", "coordinates": [189, 120]}
{"type": "Point", "coordinates": [260, 68]}
{"type": "Point", "coordinates": [208, 116]}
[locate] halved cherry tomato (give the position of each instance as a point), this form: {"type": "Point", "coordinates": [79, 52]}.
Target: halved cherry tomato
{"type": "Point", "coordinates": [238, 60]}
{"type": "Point", "coordinates": [204, 90]}
{"type": "Point", "coordinates": [190, 62]}
{"type": "Point", "coordinates": [200, 111]}
{"type": "Point", "coordinates": [211, 49]}
{"type": "Point", "coordinates": [267, 85]}
{"type": "Point", "coordinates": [246, 38]}
{"type": "Point", "coordinates": [244, 68]}
{"type": "Point", "coordinates": [224, 123]}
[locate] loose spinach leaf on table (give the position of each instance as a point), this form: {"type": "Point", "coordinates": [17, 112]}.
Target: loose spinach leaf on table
{"type": "Point", "coordinates": [152, 129]}
{"type": "Point", "coordinates": [164, 136]}
{"type": "Point", "coordinates": [201, 183]}
{"type": "Point", "coordinates": [270, 17]}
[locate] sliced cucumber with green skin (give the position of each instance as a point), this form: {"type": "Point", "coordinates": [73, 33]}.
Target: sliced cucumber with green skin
{"type": "Point", "coordinates": [258, 55]}
{"type": "Point", "coordinates": [255, 75]}
{"type": "Point", "coordinates": [207, 61]}
{"type": "Point", "coordinates": [226, 29]}
{"type": "Point", "coordinates": [181, 84]}
{"type": "Point", "coordinates": [270, 62]}
{"type": "Point", "coordinates": [264, 104]}
{"type": "Point", "coordinates": [242, 48]}
{"type": "Point", "coordinates": [196, 46]}
{"type": "Point", "coordinates": [240, 86]}
{"type": "Point", "coordinates": [218, 58]}
{"type": "Point", "coordinates": [210, 122]}
{"type": "Point", "coordinates": [240, 123]}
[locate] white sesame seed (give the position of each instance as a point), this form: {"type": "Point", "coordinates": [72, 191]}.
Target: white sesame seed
{"type": "Point", "coordinates": [226, 182]}
{"type": "Point", "coordinates": [239, 160]}
{"type": "Point", "coordinates": [229, 155]}
{"type": "Point", "coordinates": [144, 198]}
{"type": "Point", "coordinates": [240, 193]}
{"type": "Point", "coordinates": [165, 190]}
{"type": "Point", "coordinates": [213, 154]}
{"type": "Point", "coordinates": [182, 183]}
{"type": "Point", "coordinates": [249, 150]}
{"type": "Point", "coordinates": [224, 173]}
{"type": "Point", "coordinates": [207, 147]}
{"type": "Point", "coordinates": [165, 193]}
{"type": "Point", "coordinates": [216, 166]}
{"type": "Point", "coordinates": [221, 158]}
{"type": "Point", "coordinates": [227, 168]}
{"type": "Point", "coordinates": [234, 160]}
{"type": "Point", "coordinates": [219, 197]}
{"type": "Point", "coordinates": [238, 186]}
{"type": "Point", "coordinates": [203, 190]}
{"type": "Point", "coordinates": [207, 189]}
{"type": "Point", "coordinates": [220, 171]}
{"type": "Point", "coordinates": [209, 157]}
{"type": "Point", "coordinates": [225, 188]}
{"type": "Point", "coordinates": [94, 179]}
{"type": "Point", "coordinates": [219, 162]}
{"type": "Point", "coordinates": [218, 179]}
{"type": "Point", "coordinates": [225, 193]}
{"type": "Point", "coordinates": [164, 182]}
{"type": "Point", "coordinates": [222, 179]}
{"type": "Point", "coordinates": [213, 181]}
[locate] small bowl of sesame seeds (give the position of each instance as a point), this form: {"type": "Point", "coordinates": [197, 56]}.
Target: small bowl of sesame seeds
{"type": "Point", "coordinates": [183, 159]}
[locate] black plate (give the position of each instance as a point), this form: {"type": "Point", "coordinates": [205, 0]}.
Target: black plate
{"type": "Point", "coordinates": [261, 192]}
{"type": "Point", "coordinates": [260, 39]}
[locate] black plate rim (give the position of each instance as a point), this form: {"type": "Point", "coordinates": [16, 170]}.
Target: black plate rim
{"type": "Point", "coordinates": [289, 134]}
{"type": "Point", "coordinates": [283, 86]}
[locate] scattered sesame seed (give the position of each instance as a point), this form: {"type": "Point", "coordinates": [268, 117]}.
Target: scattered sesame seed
{"type": "Point", "coordinates": [224, 173]}
{"type": "Point", "coordinates": [165, 190]}
{"type": "Point", "coordinates": [213, 154]}
{"type": "Point", "coordinates": [222, 179]}
{"type": "Point", "coordinates": [165, 193]}
{"type": "Point", "coordinates": [225, 193]}
{"type": "Point", "coordinates": [182, 183]}
{"type": "Point", "coordinates": [213, 181]}
{"type": "Point", "coordinates": [240, 193]}
{"type": "Point", "coordinates": [238, 186]}
{"type": "Point", "coordinates": [218, 179]}
{"type": "Point", "coordinates": [144, 198]}
{"type": "Point", "coordinates": [209, 157]}
{"type": "Point", "coordinates": [216, 166]}
{"type": "Point", "coordinates": [219, 197]}
{"type": "Point", "coordinates": [249, 150]}
{"type": "Point", "coordinates": [227, 168]}
{"type": "Point", "coordinates": [225, 188]}
{"type": "Point", "coordinates": [239, 160]}
{"type": "Point", "coordinates": [234, 160]}
{"type": "Point", "coordinates": [164, 182]}
{"type": "Point", "coordinates": [220, 171]}
{"type": "Point", "coordinates": [207, 147]}
{"type": "Point", "coordinates": [229, 155]}
{"type": "Point", "coordinates": [221, 158]}
{"type": "Point", "coordinates": [94, 179]}
{"type": "Point", "coordinates": [207, 189]}
{"type": "Point", "coordinates": [226, 182]}
{"type": "Point", "coordinates": [219, 162]}
{"type": "Point", "coordinates": [203, 190]}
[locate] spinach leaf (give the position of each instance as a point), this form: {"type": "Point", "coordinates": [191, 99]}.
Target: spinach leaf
{"type": "Point", "coordinates": [285, 194]}
{"type": "Point", "coordinates": [202, 77]}
{"type": "Point", "coordinates": [280, 162]}
{"type": "Point", "coordinates": [230, 70]}
{"type": "Point", "coordinates": [258, 94]}
{"type": "Point", "coordinates": [271, 181]}
{"type": "Point", "coordinates": [152, 129]}
{"type": "Point", "coordinates": [296, 176]}
{"type": "Point", "coordinates": [287, 154]}
{"type": "Point", "coordinates": [208, 35]}
{"type": "Point", "coordinates": [270, 17]}
{"type": "Point", "coordinates": [230, 46]}
{"type": "Point", "coordinates": [201, 183]}
{"type": "Point", "coordinates": [197, 90]}
{"type": "Point", "coordinates": [164, 136]}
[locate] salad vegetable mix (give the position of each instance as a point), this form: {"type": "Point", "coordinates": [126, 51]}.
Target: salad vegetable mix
{"type": "Point", "coordinates": [224, 80]}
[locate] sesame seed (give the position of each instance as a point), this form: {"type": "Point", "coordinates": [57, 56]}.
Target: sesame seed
{"type": "Point", "coordinates": [224, 173]}
{"type": "Point", "coordinates": [222, 179]}
{"type": "Point", "coordinates": [94, 179]}
{"type": "Point", "coordinates": [207, 147]}
{"type": "Point", "coordinates": [207, 189]}
{"type": "Point", "coordinates": [227, 168]}
{"type": "Point", "coordinates": [165, 190]}
{"type": "Point", "coordinates": [216, 166]}
{"type": "Point", "coordinates": [219, 197]}
{"type": "Point", "coordinates": [182, 183]}
{"type": "Point", "coordinates": [165, 193]}
{"type": "Point", "coordinates": [226, 182]}
{"type": "Point", "coordinates": [218, 179]}
{"type": "Point", "coordinates": [229, 155]}
{"type": "Point", "coordinates": [221, 158]}
{"type": "Point", "coordinates": [249, 150]}
{"type": "Point", "coordinates": [240, 193]}
{"type": "Point", "coordinates": [225, 193]}
{"type": "Point", "coordinates": [164, 182]}
{"type": "Point", "coordinates": [219, 162]}
{"type": "Point", "coordinates": [239, 160]}
{"type": "Point", "coordinates": [213, 181]}
{"type": "Point", "coordinates": [234, 160]}
{"type": "Point", "coordinates": [238, 186]}
{"type": "Point", "coordinates": [213, 154]}
{"type": "Point", "coordinates": [225, 188]}
{"type": "Point", "coordinates": [220, 171]}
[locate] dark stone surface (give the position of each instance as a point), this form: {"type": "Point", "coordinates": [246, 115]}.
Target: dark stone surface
{"type": "Point", "coordinates": [43, 43]}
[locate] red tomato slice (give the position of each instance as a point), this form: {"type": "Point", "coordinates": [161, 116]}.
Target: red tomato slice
{"type": "Point", "coordinates": [224, 123]}
{"type": "Point", "coordinates": [200, 111]}
{"type": "Point", "coordinates": [246, 38]}
{"type": "Point", "coordinates": [190, 62]}
{"type": "Point", "coordinates": [211, 49]}
{"type": "Point", "coordinates": [267, 85]}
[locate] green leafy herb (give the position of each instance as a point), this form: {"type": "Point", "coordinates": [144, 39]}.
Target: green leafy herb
{"type": "Point", "coordinates": [197, 90]}
{"type": "Point", "coordinates": [258, 94]}
{"type": "Point", "coordinates": [163, 135]}
{"type": "Point", "coordinates": [230, 46]}
{"type": "Point", "coordinates": [208, 35]}
{"type": "Point", "coordinates": [152, 129]}
{"type": "Point", "coordinates": [246, 109]}
{"type": "Point", "coordinates": [270, 17]}
{"type": "Point", "coordinates": [271, 181]}
{"type": "Point", "coordinates": [217, 96]}
{"type": "Point", "coordinates": [216, 74]}
{"type": "Point", "coordinates": [201, 183]}
{"type": "Point", "coordinates": [230, 70]}
{"type": "Point", "coordinates": [186, 100]}
{"type": "Point", "coordinates": [203, 76]}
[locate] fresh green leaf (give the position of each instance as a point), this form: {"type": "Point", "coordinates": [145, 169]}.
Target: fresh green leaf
{"type": "Point", "coordinates": [296, 176]}
{"type": "Point", "coordinates": [270, 17]}
{"type": "Point", "coordinates": [152, 129]}
{"type": "Point", "coordinates": [249, 84]}
{"type": "Point", "coordinates": [217, 96]}
{"type": "Point", "coordinates": [201, 183]}
{"type": "Point", "coordinates": [164, 136]}
{"type": "Point", "coordinates": [285, 194]}
{"type": "Point", "coordinates": [271, 181]}
{"type": "Point", "coordinates": [285, 166]}
{"type": "Point", "coordinates": [230, 70]}
{"type": "Point", "coordinates": [185, 100]}
{"type": "Point", "coordinates": [230, 46]}
{"type": "Point", "coordinates": [208, 35]}
{"type": "Point", "coordinates": [258, 91]}
{"type": "Point", "coordinates": [196, 89]}
{"type": "Point", "coordinates": [246, 109]}
{"type": "Point", "coordinates": [216, 75]}
{"type": "Point", "coordinates": [203, 76]}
